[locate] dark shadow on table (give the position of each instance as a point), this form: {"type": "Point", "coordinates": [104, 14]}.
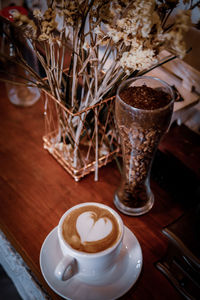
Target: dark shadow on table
{"type": "Point", "coordinates": [178, 180]}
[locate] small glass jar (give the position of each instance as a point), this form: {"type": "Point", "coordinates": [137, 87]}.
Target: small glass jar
{"type": "Point", "coordinates": [140, 132]}
{"type": "Point", "coordinates": [18, 85]}
{"type": "Point", "coordinates": [20, 94]}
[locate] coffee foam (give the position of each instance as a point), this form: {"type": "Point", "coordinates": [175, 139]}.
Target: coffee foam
{"type": "Point", "coordinates": [90, 229]}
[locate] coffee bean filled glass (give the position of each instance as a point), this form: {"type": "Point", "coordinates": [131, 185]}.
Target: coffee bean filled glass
{"type": "Point", "coordinates": [143, 111]}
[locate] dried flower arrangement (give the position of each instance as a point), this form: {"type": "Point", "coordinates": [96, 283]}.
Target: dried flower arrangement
{"type": "Point", "coordinates": [109, 41]}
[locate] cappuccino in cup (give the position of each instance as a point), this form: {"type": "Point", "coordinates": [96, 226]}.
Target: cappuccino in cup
{"type": "Point", "coordinates": [90, 237]}
{"type": "Point", "coordinates": [90, 229]}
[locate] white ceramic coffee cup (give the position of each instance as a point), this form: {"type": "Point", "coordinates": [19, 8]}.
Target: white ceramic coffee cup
{"type": "Point", "coordinates": [84, 264]}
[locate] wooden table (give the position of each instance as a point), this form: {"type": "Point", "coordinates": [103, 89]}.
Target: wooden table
{"type": "Point", "coordinates": [35, 191]}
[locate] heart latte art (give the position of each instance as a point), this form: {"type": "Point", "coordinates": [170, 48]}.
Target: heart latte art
{"type": "Point", "coordinates": [90, 229]}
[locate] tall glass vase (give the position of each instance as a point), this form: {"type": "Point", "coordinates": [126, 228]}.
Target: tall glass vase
{"type": "Point", "coordinates": [141, 130]}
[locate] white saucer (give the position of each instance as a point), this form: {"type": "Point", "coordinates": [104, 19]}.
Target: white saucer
{"type": "Point", "coordinates": [114, 284]}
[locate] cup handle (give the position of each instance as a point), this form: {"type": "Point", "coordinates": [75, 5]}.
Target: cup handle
{"type": "Point", "coordinates": [65, 268]}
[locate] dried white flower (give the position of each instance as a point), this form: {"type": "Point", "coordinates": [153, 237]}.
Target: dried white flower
{"type": "Point", "coordinates": [28, 26]}
{"type": "Point", "coordinates": [174, 38]}
{"type": "Point", "coordinates": [137, 59]}
{"type": "Point", "coordinates": [37, 14]}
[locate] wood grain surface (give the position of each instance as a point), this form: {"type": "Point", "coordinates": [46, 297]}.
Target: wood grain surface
{"type": "Point", "coordinates": [35, 191]}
